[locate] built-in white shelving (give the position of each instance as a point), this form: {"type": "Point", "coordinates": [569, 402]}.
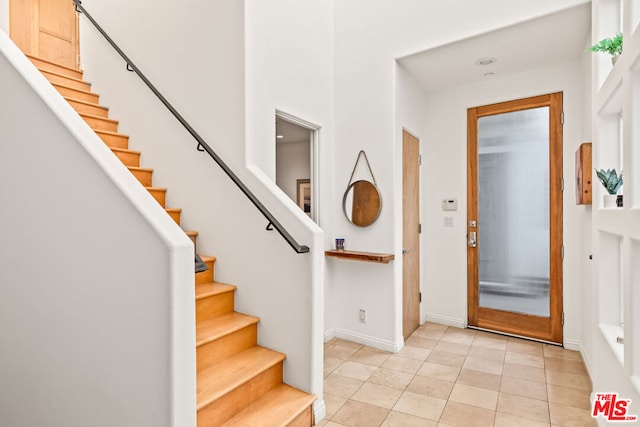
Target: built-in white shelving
{"type": "Point", "coordinates": [616, 144]}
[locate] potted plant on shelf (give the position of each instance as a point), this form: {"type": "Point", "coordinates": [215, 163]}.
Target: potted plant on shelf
{"type": "Point", "coordinates": [612, 183]}
{"type": "Point", "coordinates": [612, 46]}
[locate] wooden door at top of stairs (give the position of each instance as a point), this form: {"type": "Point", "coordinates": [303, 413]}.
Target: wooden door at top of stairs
{"type": "Point", "coordinates": [47, 29]}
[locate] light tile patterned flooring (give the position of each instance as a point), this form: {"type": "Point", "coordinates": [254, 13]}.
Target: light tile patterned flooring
{"type": "Point", "coordinates": [448, 376]}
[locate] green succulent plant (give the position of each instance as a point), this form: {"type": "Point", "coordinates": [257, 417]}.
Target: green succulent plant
{"type": "Point", "coordinates": [612, 46]}
{"type": "Point", "coordinates": [610, 180]}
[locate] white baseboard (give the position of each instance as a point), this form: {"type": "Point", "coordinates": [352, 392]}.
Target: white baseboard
{"type": "Point", "coordinates": [319, 409]}
{"type": "Point", "coordinates": [572, 344]}
{"type": "Point", "coordinates": [586, 360]}
{"type": "Point", "coordinates": [363, 339]}
{"type": "Point", "coordinates": [446, 320]}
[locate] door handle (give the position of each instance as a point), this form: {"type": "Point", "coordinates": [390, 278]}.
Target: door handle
{"type": "Point", "coordinates": [406, 251]}
{"type": "Point", "coordinates": [472, 239]}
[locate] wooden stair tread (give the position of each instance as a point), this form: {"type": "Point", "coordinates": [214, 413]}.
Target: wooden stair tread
{"type": "Point", "coordinates": [206, 276]}
{"type": "Point", "coordinates": [173, 209]}
{"type": "Point", "coordinates": [108, 132]}
{"type": "Point", "coordinates": [52, 63]}
{"type": "Point", "coordinates": [112, 139]}
{"type": "Point", "coordinates": [93, 116]}
{"type": "Point", "coordinates": [88, 92]}
{"type": "Point", "coordinates": [82, 101]}
{"type": "Point", "coordinates": [205, 290]}
{"type": "Point", "coordinates": [74, 79]}
{"type": "Point", "coordinates": [279, 406]}
{"type": "Point", "coordinates": [219, 326]}
{"type": "Point", "coordinates": [193, 235]}
{"type": "Point", "coordinates": [159, 194]}
{"type": "Point", "coordinates": [218, 380]}
{"type": "Point", "coordinates": [82, 106]}
{"type": "Point", "coordinates": [125, 150]}
{"type": "Point", "coordinates": [137, 168]}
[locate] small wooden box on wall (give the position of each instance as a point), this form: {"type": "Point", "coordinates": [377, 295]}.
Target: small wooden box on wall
{"type": "Point", "coordinates": [583, 174]}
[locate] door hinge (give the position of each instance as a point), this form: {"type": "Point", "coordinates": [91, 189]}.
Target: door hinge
{"type": "Point", "coordinates": [562, 118]}
{"type": "Point", "coordinates": [420, 296]}
{"type": "Point", "coordinates": [563, 318]}
{"type": "Point", "coordinates": [419, 159]}
{"type": "Point", "coordinates": [419, 228]}
{"type": "Point", "coordinates": [562, 184]}
{"type": "Point", "coordinates": [562, 251]}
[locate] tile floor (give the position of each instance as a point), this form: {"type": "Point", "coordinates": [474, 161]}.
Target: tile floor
{"type": "Point", "coordinates": [447, 376]}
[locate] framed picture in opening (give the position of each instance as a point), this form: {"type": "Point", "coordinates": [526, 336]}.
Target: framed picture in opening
{"type": "Point", "coordinates": [304, 195]}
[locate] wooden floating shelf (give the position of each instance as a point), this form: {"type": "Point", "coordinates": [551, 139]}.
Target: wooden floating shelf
{"type": "Point", "coordinates": [361, 256]}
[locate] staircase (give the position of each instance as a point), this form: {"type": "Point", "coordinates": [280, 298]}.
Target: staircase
{"type": "Point", "coordinates": [238, 382]}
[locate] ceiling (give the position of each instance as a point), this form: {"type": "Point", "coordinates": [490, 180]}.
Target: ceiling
{"type": "Point", "coordinates": [291, 132]}
{"type": "Point", "coordinates": [545, 41]}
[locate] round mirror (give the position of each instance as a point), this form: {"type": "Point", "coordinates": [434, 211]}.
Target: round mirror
{"type": "Point", "coordinates": [362, 203]}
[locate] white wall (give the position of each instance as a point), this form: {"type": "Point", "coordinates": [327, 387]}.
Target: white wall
{"type": "Point", "coordinates": [368, 39]}
{"type": "Point", "coordinates": [445, 264]}
{"type": "Point", "coordinates": [96, 302]}
{"type": "Point", "coordinates": [411, 115]}
{"type": "Point", "coordinates": [223, 66]}
{"type": "Point", "coordinates": [293, 163]}
{"type": "Point", "coordinates": [289, 69]}
{"type": "Point", "coordinates": [4, 16]}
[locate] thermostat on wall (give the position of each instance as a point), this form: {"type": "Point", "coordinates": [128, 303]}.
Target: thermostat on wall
{"type": "Point", "coordinates": [449, 204]}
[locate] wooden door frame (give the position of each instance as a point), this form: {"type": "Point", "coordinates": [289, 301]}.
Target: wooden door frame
{"type": "Point", "coordinates": [541, 328]}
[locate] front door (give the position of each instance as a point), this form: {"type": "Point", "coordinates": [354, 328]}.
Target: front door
{"type": "Point", "coordinates": [514, 224]}
{"type": "Point", "coordinates": [47, 29]}
{"type": "Point", "coordinates": [410, 234]}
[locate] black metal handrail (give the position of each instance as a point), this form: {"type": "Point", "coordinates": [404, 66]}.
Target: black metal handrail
{"type": "Point", "coordinates": [202, 145]}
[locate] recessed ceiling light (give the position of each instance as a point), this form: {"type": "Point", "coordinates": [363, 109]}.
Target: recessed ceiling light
{"type": "Point", "coordinates": [486, 61]}
{"type": "Point", "coordinates": [279, 136]}
{"type": "Point", "coordinates": [489, 74]}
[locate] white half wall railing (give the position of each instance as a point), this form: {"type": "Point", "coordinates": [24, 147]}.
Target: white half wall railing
{"type": "Point", "coordinates": [97, 319]}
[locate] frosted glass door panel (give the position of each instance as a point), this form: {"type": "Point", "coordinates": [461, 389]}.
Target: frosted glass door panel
{"type": "Point", "coordinates": [513, 211]}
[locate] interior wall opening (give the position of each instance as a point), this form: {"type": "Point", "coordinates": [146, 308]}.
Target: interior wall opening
{"type": "Point", "coordinates": [295, 164]}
